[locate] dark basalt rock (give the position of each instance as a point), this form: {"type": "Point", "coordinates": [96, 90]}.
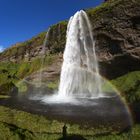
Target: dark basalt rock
{"type": "Point", "coordinates": [117, 33]}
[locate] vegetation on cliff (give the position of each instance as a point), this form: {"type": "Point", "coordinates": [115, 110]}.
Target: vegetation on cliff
{"type": "Point", "coordinates": [18, 51]}
{"type": "Point", "coordinates": [12, 73]}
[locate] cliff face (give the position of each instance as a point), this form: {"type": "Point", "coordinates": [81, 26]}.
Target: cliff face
{"type": "Point", "coordinates": [56, 38]}
{"type": "Point", "coordinates": [24, 51]}
{"type": "Point", "coordinates": [116, 27]}
{"type": "Point", "coordinates": [53, 40]}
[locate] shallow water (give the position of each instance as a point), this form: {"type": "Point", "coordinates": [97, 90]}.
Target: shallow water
{"type": "Point", "coordinates": [92, 112]}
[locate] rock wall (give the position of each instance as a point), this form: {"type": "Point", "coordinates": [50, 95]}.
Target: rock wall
{"type": "Point", "coordinates": [27, 50]}
{"type": "Point", "coordinates": [116, 28]}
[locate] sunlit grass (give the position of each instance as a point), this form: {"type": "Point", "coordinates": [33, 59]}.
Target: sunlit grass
{"type": "Point", "coordinates": [4, 96]}
{"type": "Point", "coordinates": [129, 86]}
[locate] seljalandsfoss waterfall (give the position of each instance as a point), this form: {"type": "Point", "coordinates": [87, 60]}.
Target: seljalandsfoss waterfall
{"type": "Point", "coordinates": [80, 73]}
{"type": "Point", "coordinates": [83, 96]}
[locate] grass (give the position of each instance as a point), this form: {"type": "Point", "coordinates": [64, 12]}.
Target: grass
{"type": "Point", "coordinates": [106, 6]}
{"type": "Point", "coordinates": [14, 72]}
{"type": "Point", "coordinates": [18, 124]}
{"type": "Point", "coordinates": [39, 124]}
{"type": "Point", "coordinates": [129, 86]}
{"type": "Point", "coordinates": [4, 96]}
{"type": "Point", "coordinates": [22, 86]}
{"type": "Point", "coordinates": [107, 87]}
{"type": "Point", "coordinates": [53, 85]}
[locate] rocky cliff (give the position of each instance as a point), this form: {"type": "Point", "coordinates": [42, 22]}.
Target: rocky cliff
{"type": "Point", "coordinates": [116, 27]}
{"type": "Point", "coordinates": [25, 50]}
{"type": "Point", "coordinates": [49, 42]}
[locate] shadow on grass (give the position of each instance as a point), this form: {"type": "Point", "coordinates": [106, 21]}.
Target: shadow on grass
{"type": "Point", "coordinates": [73, 137]}
{"type": "Point", "coordinates": [135, 107]}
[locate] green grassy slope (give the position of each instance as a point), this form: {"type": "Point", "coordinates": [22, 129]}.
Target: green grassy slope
{"type": "Point", "coordinates": [12, 73]}
{"type": "Point", "coordinates": [129, 86]}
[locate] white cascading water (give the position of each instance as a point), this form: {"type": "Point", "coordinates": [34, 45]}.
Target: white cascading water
{"type": "Point", "coordinates": [80, 72]}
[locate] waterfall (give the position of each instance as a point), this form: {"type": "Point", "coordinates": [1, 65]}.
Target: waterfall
{"type": "Point", "coordinates": [80, 72]}
{"type": "Point", "coordinates": [43, 53]}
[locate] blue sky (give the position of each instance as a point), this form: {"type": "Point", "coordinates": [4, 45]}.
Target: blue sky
{"type": "Point", "coordinates": [22, 19]}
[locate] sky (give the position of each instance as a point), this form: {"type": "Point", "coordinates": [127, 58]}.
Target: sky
{"type": "Point", "coordinates": [20, 20]}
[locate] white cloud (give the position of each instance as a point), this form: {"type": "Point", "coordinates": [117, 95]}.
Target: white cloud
{"type": "Point", "coordinates": [1, 48]}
